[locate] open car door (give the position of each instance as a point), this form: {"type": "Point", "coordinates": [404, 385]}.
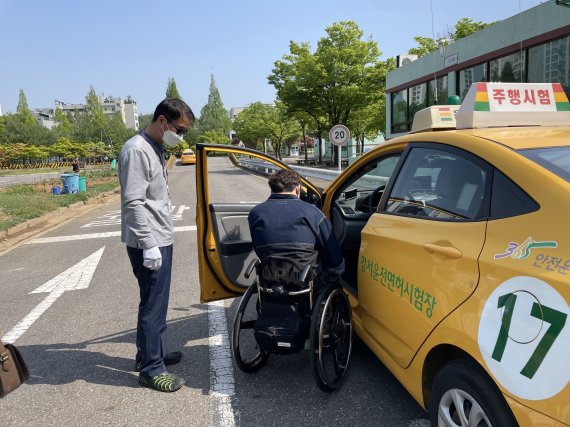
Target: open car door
{"type": "Point", "coordinates": [230, 181]}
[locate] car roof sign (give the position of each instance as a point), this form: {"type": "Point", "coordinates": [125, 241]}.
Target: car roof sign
{"type": "Point", "coordinates": [514, 104]}
{"type": "Point", "coordinates": [434, 118]}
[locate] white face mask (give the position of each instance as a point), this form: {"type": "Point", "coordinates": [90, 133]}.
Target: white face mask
{"type": "Point", "coordinates": [170, 138]}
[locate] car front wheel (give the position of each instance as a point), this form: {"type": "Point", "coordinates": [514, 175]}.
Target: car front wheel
{"type": "Point", "coordinates": [464, 395]}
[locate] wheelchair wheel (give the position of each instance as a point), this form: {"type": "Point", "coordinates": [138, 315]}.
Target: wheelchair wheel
{"type": "Point", "coordinates": [330, 339]}
{"type": "Point", "coordinates": [245, 350]}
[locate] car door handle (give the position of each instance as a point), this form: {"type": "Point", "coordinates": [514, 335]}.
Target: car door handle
{"type": "Point", "coordinates": [446, 251]}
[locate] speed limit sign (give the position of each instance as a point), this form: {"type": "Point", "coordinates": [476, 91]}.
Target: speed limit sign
{"type": "Point", "coordinates": [339, 135]}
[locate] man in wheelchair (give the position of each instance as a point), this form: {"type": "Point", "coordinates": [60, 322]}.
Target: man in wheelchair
{"type": "Point", "coordinates": [288, 227]}
{"type": "Point", "coordinates": [297, 287]}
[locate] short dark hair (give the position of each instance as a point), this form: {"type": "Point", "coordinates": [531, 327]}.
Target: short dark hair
{"type": "Point", "coordinates": [173, 109]}
{"type": "Point", "coordinates": [284, 180]}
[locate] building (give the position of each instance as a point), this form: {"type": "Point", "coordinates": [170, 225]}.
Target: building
{"type": "Point", "coordinates": [131, 113]}
{"type": "Point", "coordinates": [234, 111]}
{"type": "Point", "coordinates": [127, 109]}
{"type": "Point", "coordinates": [533, 46]}
{"type": "Point", "coordinates": [45, 117]}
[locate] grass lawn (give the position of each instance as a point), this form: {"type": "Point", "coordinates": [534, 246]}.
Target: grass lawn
{"type": "Point", "coordinates": [21, 203]}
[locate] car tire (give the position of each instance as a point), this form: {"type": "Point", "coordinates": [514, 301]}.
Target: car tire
{"type": "Point", "coordinates": [482, 403]}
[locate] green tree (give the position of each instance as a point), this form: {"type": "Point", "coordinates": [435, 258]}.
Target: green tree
{"type": "Point", "coordinates": [32, 153]}
{"type": "Point", "coordinates": [116, 133]}
{"type": "Point", "coordinates": [63, 148]}
{"type": "Point", "coordinates": [466, 26]}
{"type": "Point", "coordinates": [145, 120]}
{"type": "Point", "coordinates": [214, 137]}
{"type": "Point", "coordinates": [463, 28]}
{"type": "Point", "coordinates": [426, 45]}
{"type": "Point", "coordinates": [304, 121]}
{"type": "Point", "coordinates": [23, 111]}
{"type": "Point", "coordinates": [343, 75]}
{"type": "Point", "coordinates": [92, 123]}
{"type": "Point", "coordinates": [171, 90]}
{"type": "Point", "coordinates": [65, 123]}
{"type": "Point", "coordinates": [259, 121]}
{"type": "Point", "coordinates": [367, 123]}
{"type": "Point", "coordinates": [213, 115]}
{"type": "Point", "coordinates": [95, 110]}
{"type": "Point", "coordinates": [284, 129]}
{"type": "Point", "coordinates": [251, 125]}
{"type": "Point", "coordinates": [15, 129]}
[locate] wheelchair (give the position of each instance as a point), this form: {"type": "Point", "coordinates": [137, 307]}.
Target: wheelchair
{"type": "Point", "coordinates": [281, 310]}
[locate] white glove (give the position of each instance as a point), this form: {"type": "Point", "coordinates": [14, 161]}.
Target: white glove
{"type": "Point", "coordinates": [152, 259]}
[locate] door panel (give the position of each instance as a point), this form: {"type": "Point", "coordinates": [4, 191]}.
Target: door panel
{"type": "Point", "coordinates": [419, 254]}
{"type": "Point", "coordinates": [224, 241]}
{"type": "Point", "coordinates": [405, 287]}
{"type": "Point", "coordinates": [233, 239]}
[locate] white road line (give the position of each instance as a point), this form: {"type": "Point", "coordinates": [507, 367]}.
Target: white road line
{"type": "Point", "coordinates": [94, 236]}
{"type": "Point", "coordinates": [77, 277]}
{"type": "Point", "coordinates": [223, 400]}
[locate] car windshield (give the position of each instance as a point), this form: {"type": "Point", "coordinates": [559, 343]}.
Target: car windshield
{"type": "Point", "coordinates": [555, 159]}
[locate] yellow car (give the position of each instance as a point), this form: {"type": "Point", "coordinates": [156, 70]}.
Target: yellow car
{"type": "Point", "coordinates": [188, 157]}
{"type": "Point", "coordinates": [457, 253]}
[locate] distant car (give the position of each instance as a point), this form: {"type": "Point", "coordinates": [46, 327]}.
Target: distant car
{"type": "Point", "coordinates": [457, 262]}
{"type": "Point", "coordinates": [188, 157]}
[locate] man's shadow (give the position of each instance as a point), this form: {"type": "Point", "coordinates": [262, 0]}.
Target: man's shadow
{"type": "Point", "coordinates": [62, 363]}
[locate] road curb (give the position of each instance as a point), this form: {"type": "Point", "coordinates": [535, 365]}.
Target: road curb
{"type": "Point", "coordinates": [33, 226]}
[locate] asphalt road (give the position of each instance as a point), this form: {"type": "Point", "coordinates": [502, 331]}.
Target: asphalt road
{"type": "Point", "coordinates": [69, 299]}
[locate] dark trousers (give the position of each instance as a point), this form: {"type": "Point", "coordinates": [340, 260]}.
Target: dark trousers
{"type": "Point", "coordinates": [151, 325]}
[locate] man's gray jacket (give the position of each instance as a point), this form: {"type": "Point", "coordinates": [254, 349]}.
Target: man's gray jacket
{"type": "Point", "coordinates": [145, 202]}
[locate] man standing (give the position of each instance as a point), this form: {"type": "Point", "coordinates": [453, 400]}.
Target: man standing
{"type": "Point", "coordinates": [287, 226]}
{"type": "Point", "coordinates": [146, 229]}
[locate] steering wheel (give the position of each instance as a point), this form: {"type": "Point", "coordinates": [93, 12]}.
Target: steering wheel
{"type": "Point", "coordinates": [376, 195]}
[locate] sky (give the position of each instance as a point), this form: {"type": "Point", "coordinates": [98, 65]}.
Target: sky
{"type": "Point", "coordinates": [59, 49]}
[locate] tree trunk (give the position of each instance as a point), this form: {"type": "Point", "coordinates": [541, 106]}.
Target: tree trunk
{"type": "Point", "coordinates": [320, 146]}
{"type": "Point", "coordinates": [305, 144]}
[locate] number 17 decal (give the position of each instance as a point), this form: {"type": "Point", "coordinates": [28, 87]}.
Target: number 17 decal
{"type": "Point", "coordinates": [555, 318]}
{"type": "Point", "coordinates": [524, 339]}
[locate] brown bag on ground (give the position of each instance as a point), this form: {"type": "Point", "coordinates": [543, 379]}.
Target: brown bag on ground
{"type": "Point", "coordinates": [13, 369]}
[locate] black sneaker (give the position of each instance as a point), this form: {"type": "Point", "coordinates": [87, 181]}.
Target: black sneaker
{"type": "Point", "coordinates": [165, 382]}
{"type": "Point", "coordinates": [171, 358]}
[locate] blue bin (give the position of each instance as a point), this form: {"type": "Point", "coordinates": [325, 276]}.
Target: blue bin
{"type": "Point", "coordinates": [70, 183]}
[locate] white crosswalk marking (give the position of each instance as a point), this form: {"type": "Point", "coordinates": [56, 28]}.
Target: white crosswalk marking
{"type": "Point", "coordinates": [95, 236]}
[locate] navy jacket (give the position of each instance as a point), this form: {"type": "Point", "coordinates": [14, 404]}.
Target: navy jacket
{"type": "Point", "coordinates": [288, 226]}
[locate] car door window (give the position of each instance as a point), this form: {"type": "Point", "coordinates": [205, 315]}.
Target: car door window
{"type": "Point", "coordinates": [437, 184]}
{"type": "Point", "coordinates": [361, 193]}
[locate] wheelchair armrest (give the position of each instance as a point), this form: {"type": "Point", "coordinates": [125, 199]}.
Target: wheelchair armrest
{"type": "Point", "coordinates": [250, 267]}
{"type": "Point", "coordinates": [304, 273]}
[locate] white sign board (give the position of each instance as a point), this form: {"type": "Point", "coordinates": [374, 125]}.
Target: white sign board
{"type": "Point", "coordinates": [339, 135]}
{"type": "Point", "coordinates": [514, 104]}
{"type": "Point", "coordinates": [450, 60]}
